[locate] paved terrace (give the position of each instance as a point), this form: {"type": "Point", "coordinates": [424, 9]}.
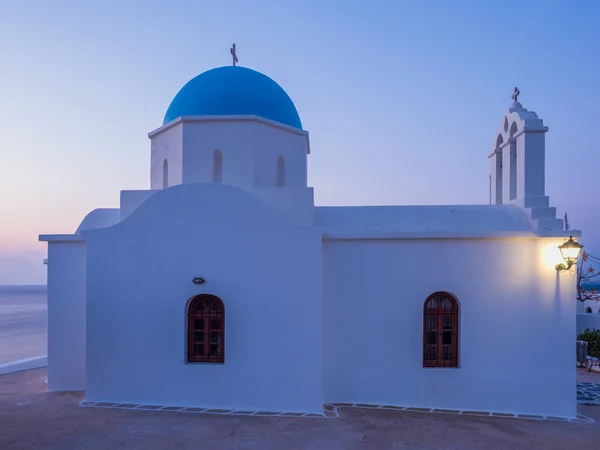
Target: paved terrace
{"type": "Point", "coordinates": [31, 418]}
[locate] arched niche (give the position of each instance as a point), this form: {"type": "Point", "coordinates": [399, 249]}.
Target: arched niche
{"type": "Point", "coordinates": [513, 129]}
{"type": "Point", "coordinates": [218, 166]}
{"type": "Point", "coordinates": [499, 141]}
{"type": "Point", "coordinates": [280, 174]}
{"type": "Point", "coordinates": [165, 183]}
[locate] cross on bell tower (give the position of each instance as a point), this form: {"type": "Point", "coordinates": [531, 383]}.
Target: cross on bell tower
{"type": "Point", "coordinates": [515, 95]}
{"type": "Point", "coordinates": [233, 54]}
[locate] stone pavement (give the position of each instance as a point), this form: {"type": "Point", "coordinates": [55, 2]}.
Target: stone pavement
{"type": "Point", "coordinates": [588, 393]}
{"type": "Point", "coordinates": [31, 418]}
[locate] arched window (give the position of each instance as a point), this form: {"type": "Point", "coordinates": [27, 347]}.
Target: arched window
{"type": "Point", "coordinates": [513, 163]}
{"type": "Point", "coordinates": [165, 174]}
{"type": "Point", "coordinates": [440, 331]}
{"type": "Point", "coordinates": [588, 310]}
{"type": "Point", "coordinates": [280, 182]}
{"type": "Point", "coordinates": [499, 141]}
{"type": "Point", "coordinates": [513, 129]}
{"type": "Point", "coordinates": [206, 329]}
{"type": "Point", "coordinates": [218, 166]}
{"type": "Point", "coordinates": [499, 176]}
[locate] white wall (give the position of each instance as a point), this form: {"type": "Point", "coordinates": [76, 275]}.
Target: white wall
{"type": "Point", "coordinates": [531, 165]}
{"type": "Point", "coordinates": [131, 200]}
{"type": "Point", "coordinates": [250, 147]}
{"type": "Point", "coordinates": [593, 304]}
{"type": "Point", "coordinates": [250, 150]}
{"type": "Point", "coordinates": [166, 145]}
{"type": "Point", "coordinates": [296, 205]}
{"type": "Point", "coordinates": [235, 139]}
{"type": "Point", "coordinates": [267, 272]}
{"type": "Point", "coordinates": [66, 315]}
{"type": "Point", "coordinates": [511, 301]}
{"type": "Point", "coordinates": [99, 218]}
{"type": "Point", "coordinates": [269, 144]}
{"type": "Point", "coordinates": [588, 320]}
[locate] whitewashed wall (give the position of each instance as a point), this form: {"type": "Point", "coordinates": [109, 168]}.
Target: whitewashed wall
{"type": "Point", "coordinates": [267, 272]}
{"type": "Point", "coordinates": [582, 307]}
{"type": "Point", "coordinates": [295, 205]}
{"type": "Point", "coordinates": [131, 200]}
{"type": "Point", "coordinates": [250, 147]}
{"type": "Point", "coordinates": [99, 218]}
{"type": "Point", "coordinates": [588, 320]}
{"type": "Point", "coordinates": [511, 301]}
{"type": "Point", "coordinates": [66, 313]}
{"type": "Point", "coordinates": [166, 145]}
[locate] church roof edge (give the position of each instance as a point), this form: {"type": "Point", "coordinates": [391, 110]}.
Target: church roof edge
{"type": "Point", "coordinates": [253, 118]}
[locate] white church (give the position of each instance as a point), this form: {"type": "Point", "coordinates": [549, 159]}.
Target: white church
{"type": "Point", "coordinates": [223, 286]}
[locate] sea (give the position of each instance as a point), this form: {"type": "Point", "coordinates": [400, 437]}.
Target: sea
{"type": "Point", "coordinates": [23, 314]}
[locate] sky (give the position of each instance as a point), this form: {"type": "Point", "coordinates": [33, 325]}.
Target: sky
{"type": "Point", "coordinates": [401, 98]}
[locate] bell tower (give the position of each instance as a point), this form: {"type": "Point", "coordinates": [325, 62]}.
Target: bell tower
{"type": "Point", "coordinates": [518, 165]}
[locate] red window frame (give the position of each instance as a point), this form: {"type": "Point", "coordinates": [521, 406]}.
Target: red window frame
{"type": "Point", "coordinates": [440, 330]}
{"type": "Point", "coordinates": [206, 329]}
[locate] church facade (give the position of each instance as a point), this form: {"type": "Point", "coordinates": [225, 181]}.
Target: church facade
{"type": "Point", "coordinates": [223, 286]}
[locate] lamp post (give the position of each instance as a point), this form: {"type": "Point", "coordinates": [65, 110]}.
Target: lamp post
{"type": "Point", "coordinates": [570, 252]}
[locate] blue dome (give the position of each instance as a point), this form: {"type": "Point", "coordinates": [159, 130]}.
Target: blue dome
{"type": "Point", "coordinates": [234, 91]}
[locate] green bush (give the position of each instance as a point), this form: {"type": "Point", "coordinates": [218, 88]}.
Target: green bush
{"type": "Point", "coordinates": [592, 337]}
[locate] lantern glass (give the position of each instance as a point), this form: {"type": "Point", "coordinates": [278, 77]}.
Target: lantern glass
{"type": "Point", "coordinates": [570, 251]}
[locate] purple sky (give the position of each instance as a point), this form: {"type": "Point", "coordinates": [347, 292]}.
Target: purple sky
{"type": "Point", "coordinates": [401, 99]}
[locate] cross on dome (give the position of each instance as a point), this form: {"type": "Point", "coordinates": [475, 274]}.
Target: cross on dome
{"type": "Point", "coordinates": [233, 54]}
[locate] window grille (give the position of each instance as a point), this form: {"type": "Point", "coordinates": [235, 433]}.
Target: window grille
{"type": "Point", "coordinates": [206, 329]}
{"type": "Point", "coordinates": [440, 331]}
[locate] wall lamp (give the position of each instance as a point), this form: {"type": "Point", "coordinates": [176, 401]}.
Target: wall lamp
{"type": "Point", "coordinates": [570, 252]}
